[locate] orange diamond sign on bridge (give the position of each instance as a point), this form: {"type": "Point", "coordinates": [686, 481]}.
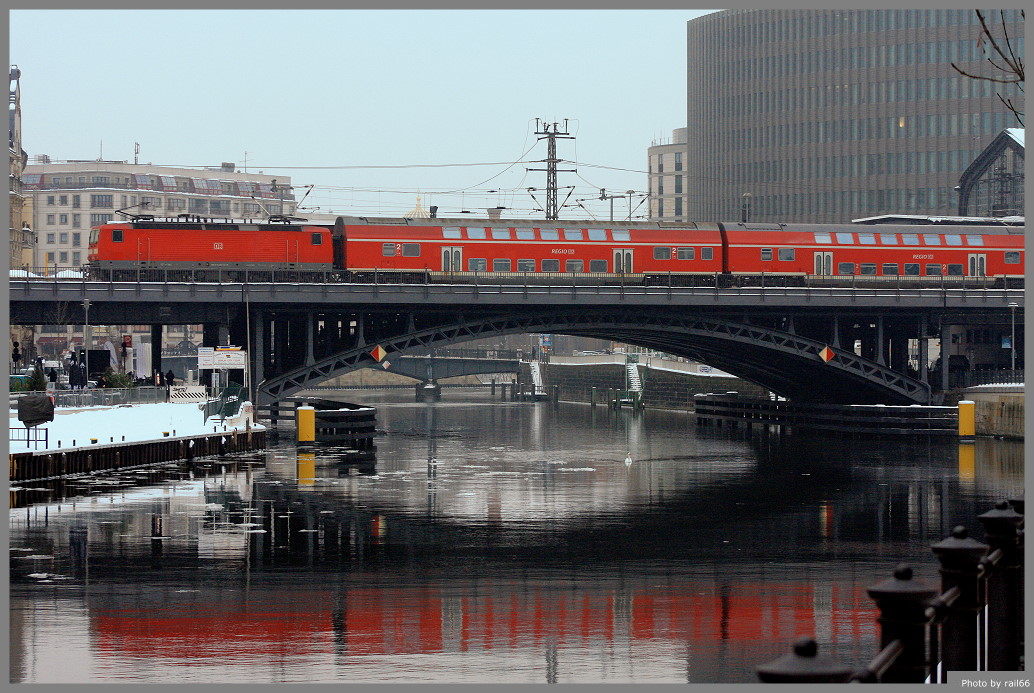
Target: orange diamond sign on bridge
{"type": "Point", "coordinates": [378, 353]}
{"type": "Point", "coordinates": [826, 354]}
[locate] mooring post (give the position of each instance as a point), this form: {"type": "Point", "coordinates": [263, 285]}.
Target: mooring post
{"type": "Point", "coordinates": [804, 665]}
{"type": "Point", "coordinates": [305, 422]}
{"type": "Point", "coordinates": [960, 562]}
{"type": "Point", "coordinates": [902, 603]}
{"type": "Point", "coordinates": [592, 397]}
{"type": "Point", "coordinates": [1003, 526]}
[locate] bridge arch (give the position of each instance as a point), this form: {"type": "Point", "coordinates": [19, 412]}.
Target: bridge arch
{"type": "Point", "coordinates": [799, 368]}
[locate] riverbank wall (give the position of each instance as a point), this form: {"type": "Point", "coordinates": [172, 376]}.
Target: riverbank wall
{"type": "Point", "coordinates": [666, 384]}
{"type": "Point", "coordinates": [999, 410]}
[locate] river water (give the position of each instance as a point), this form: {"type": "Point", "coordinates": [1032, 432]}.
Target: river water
{"type": "Point", "coordinates": [488, 542]}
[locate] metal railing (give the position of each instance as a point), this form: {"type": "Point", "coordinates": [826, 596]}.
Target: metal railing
{"type": "Point", "coordinates": [31, 436]}
{"type": "Point", "coordinates": [973, 623]}
{"type": "Point", "coordinates": [104, 396]}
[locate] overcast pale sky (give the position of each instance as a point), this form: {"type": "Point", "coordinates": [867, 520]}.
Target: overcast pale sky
{"type": "Point", "coordinates": [301, 92]}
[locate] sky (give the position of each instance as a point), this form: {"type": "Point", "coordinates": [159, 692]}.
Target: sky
{"type": "Point", "coordinates": [369, 107]}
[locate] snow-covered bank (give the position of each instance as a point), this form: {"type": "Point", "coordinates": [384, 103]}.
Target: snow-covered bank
{"type": "Point", "coordinates": [132, 423]}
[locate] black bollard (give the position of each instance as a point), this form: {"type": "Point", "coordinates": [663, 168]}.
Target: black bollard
{"type": "Point", "coordinates": [1005, 588]}
{"type": "Point", "coordinates": [804, 665]}
{"type": "Point", "coordinates": [960, 565]}
{"type": "Point", "coordinates": [902, 604]}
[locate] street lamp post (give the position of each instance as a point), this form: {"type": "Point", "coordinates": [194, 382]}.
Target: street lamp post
{"type": "Point", "coordinates": [87, 335]}
{"type": "Point", "coordinates": [745, 197]}
{"type": "Point", "coordinates": [1012, 338]}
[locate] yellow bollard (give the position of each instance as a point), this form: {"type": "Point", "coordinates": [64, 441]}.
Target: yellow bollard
{"type": "Point", "coordinates": [306, 468]}
{"type": "Point", "coordinates": [305, 420]}
{"type": "Point", "coordinates": [967, 420]}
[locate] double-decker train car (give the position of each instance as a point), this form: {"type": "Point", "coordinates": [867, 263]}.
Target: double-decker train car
{"type": "Point", "coordinates": [385, 249]}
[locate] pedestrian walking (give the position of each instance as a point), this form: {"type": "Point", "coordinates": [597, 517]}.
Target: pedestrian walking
{"type": "Point", "coordinates": [170, 378]}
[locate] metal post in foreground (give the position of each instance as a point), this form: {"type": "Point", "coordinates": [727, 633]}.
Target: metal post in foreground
{"type": "Point", "coordinates": [1005, 587]}
{"type": "Point", "coordinates": [960, 560]}
{"type": "Point", "coordinates": [902, 605]}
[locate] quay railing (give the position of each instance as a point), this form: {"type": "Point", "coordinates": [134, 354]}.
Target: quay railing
{"type": "Point", "coordinates": [104, 396]}
{"type": "Point", "coordinates": [31, 436]}
{"type": "Point", "coordinates": [973, 623]}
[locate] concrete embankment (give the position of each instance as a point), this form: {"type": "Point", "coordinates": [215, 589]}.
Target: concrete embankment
{"type": "Point", "coordinates": [999, 410]}
{"type": "Point", "coordinates": [666, 384]}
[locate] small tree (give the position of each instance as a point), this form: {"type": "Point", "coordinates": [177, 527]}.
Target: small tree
{"type": "Point", "coordinates": [37, 381]}
{"type": "Point", "coordinates": [1004, 61]}
{"type": "Point", "coordinates": [114, 379]}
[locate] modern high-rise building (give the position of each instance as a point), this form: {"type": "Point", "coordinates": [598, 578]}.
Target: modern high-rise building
{"type": "Point", "coordinates": [71, 197]}
{"type": "Point", "coordinates": [831, 115]}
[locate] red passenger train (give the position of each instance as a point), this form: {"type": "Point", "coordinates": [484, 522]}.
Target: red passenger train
{"type": "Point", "coordinates": [458, 250]}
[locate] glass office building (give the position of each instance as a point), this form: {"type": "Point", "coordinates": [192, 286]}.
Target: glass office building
{"type": "Point", "coordinates": [832, 115]}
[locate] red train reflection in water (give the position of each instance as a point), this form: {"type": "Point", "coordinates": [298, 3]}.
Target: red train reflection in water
{"type": "Point", "coordinates": [378, 621]}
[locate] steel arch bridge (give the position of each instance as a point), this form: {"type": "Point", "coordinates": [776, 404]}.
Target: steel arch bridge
{"type": "Point", "coordinates": [799, 368]}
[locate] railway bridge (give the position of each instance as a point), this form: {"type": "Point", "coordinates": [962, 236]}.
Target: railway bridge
{"type": "Point", "coordinates": [857, 344]}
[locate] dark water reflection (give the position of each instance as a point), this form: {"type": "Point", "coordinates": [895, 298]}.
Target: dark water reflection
{"type": "Point", "coordinates": [490, 542]}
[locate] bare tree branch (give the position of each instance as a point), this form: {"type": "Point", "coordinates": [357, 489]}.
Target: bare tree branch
{"type": "Point", "coordinates": [1002, 57]}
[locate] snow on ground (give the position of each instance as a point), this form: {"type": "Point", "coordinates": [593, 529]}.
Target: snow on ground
{"type": "Point", "coordinates": [137, 422]}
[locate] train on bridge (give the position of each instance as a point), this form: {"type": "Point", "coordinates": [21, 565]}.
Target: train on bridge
{"type": "Point", "coordinates": [368, 249]}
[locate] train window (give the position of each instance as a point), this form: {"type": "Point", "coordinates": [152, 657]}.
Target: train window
{"type": "Point", "coordinates": [686, 253]}
{"type": "Point", "coordinates": [707, 253]}
{"type": "Point", "coordinates": [910, 238]}
{"type": "Point", "coordinates": [94, 235]}
{"type": "Point", "coordinates": [955, 270]}
{"type": "Point", "coordinates": [525, 265]}
{"type": "Point", "coordinates": [477, 264]}
{"type": "Point", "coordinates": [451, 232]}
{"type": "Point", "coordinates": [410, 250]}
{"type": "Point", "coordinates": [499, 265]}
{"type": "Point", "coordinates": [551, 265]}
{"type": "Point", "coordinates": [787, 254]}
{"type": "Point", "coordinates": [889, 239]}
{"type": "Point", "coordinates": [525, 234]}
{"type": "Point", "coordinates": [661, 252]}
{"type": "Point", "coordinates": [574, 265]}
{"type": "Point", "coordinates": [845, 268]}
{"type": "Point", "coordinates": [845, 238]}
{"type": "Point", "coordinates": [823, 238]}
{"type": "Point", "coordinates": [766, 253]}
{"type": "Point", "coordinates": [1012, 258]}
{"type": "Point", "coordinates": [388, 249]}
{"type": "Point", "coordinates": [597, 235]}
{"type": "Point", "coordinates": [317, 239]}
{"type": "Point", "coordinates": [867, 238]}
{"type": "Point", "coordinates": [867, 268]}
{"type": "Point", "coordinates": [549, 234]}
{"type": "Point", "coordinates": [621, 235]}
{"type": "Point", "coordinates": [890, 269]}
{"type": "Point", "coordinates": [597, 265]}
{"type": "Point", "coordinates": [116, 235]}
{"type": "Point", "coordinates": [974, 240]}
{"type": "Point", "coordinates": [933, 269]}
{"type": "Point", "coordinates": [501, 234]}
{"type": "Point", "coordinates": [912, 269]}
{"type": "Point", "coordinates": [476, 233]}
{"type": "Point", "coordinates": [572, 234]}
{"type": "Point", "coordinates": [952, 239]}
{"type": "Point", "coordinates": [931, 239]}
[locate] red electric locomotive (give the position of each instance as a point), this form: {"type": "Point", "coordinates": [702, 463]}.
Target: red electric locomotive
{"type": "Point", "coordinates": [459, 250]}
{"type": "Point", "coordinates": [195, 250]}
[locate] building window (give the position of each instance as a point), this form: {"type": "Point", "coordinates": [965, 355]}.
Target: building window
{"type": "Point", "coordinates": [101, 201]}
{"type": "Point", "coordinates": [98, 219]}
{"type": "Point", "coordinates": [77, 258]}
{"type": "Point", "coordinates": [76, 223]}
{"type": "Point", "coordinates": [50, 200]}
{"type": "Point", "coordinates": [64, 199]}
{"type": "Point", "coordinates": [76, 240]}
{"type": "Point", "coordinates": [62, 238]}
{"type": "Point", "coordinates": [63, 257]}
{"type": "Point", "coordinates": [62, 219]}
{"type": "Point", "coordinates": [50, 219]}
{"type": "Point", "coordinates": [75, 201]}
{"type": "Point", "coordinates": [678, 185]}
{"type": "Point", "coordinates": [102, 180]}
{"type": "Point", "coordinates": [678, 206]}
{"type": "Point", "coordinates": [51, 238]}
{"type": "Point", "coordinates": [660, 163]}
{"type": "Point", "coordinates": [678, 162]}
